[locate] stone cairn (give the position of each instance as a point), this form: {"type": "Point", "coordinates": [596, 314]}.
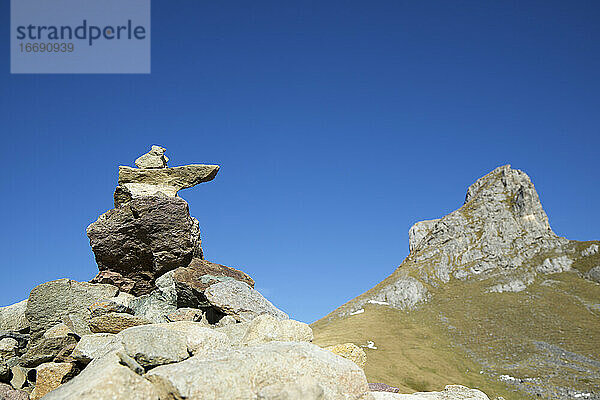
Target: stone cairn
{"type": "Point", "coordinates": [159, 321]}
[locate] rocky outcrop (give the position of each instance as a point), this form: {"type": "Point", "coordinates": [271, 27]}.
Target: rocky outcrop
{"type": "Point", "coordinates": [418, 231]}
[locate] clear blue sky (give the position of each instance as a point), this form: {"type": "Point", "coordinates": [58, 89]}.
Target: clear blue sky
{"type": "Point", "coordinates": [338, 124]}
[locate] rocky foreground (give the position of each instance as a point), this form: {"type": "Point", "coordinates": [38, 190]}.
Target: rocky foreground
{"type": "Point", "coordinates": [160, 322]}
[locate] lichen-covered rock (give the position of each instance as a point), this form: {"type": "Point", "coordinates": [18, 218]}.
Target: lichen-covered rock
{"type": "Point", "coordinates": [12, 318]}
{"type": "Point", "coordinates": [175, 178]}
{"type": "Point", "coordinates": [155, 158]}
{"type": "Point", "coordinates": [266, 328]}
{"type": "Point", "coordinates": [92, 346]}
{"type": "Point", "coordinates": [119, 304]}
{"type": "Point", "coordinates": [50, 302]}
{"type": "Point", "coordinates": [244, 372]}
{"type": "Point", "coordinates": [199, 338]}
{"type": "Point", "coordinates": [351, 352]}
{"type": "Point", "coordinates": [49, 376]}
{"type": "Point", "coordinates": [46, 349]}
{"type": "Point", "coordinates": [137, 243]}
{"type": "Point", "coordinates": [105, 378]}
{"type": "Point", "coordinates": [239, 300]}
{"type": "Point", "coordinates": [186, 314]}
{"type": "Point", "coordinates": [8, 348]}
{"type": "Point", "coordinates": [115, 322]}
{"type": "Point", "coordinates": [152, 345]}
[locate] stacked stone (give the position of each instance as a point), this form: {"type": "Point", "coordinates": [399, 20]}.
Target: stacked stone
{"type": "Point", "coordinates": [151, 272]}
{"type": "Point", "coordinates": [150, 230]}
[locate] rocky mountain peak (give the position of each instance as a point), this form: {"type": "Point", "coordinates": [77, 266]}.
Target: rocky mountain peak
{"type": "Point", "coordinates": [493, 236]}
{"type": "Point", "coordinates": [502, 213]}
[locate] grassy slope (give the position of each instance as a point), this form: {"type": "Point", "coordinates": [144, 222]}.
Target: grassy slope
{"type": "Point", "coordinates": [463, 330]}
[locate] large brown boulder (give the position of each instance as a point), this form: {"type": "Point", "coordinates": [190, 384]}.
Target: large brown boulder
{"type": "Point", "coordinates": [141, 240]}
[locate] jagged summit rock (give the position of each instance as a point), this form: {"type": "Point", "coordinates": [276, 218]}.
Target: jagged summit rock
{"type": "Point", "coordinates": [155, 158]}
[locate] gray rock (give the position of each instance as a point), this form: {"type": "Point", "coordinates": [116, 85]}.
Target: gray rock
{"type": "Point", "coordinates": [590, 251]}
{"type": "Point", "coordinates": [58, 331]}
{"type": "Point", "coordinates": [199, 338]}
{"type": "Point", "coordinates": [555, 265]}
{"type": "Point", "coordinates": [155, 158]}
{"type": "Point", "coordinates": [160, 303]}
{"type": "Point", "coordinates": [8, 348]}
{"type": "Point", "coordinates": [239, 300]}
{"type": "Point", "coordinates": [12, 318]}
{"type": "Point", "coordinates": [115, 322]}
{"type": "Point", "coordinates": [126, 360]}
{"type": "Point", "coordinates": [418, 232]}
{"type": "Point", "coordinates": [50, 302]}
{"type": "Point", "coordinates": [594, 274]}
{"type": "Point", "coordinates": [8, 393]}
{"type": "Point", "coordinates": [152, 345]}
{"type": "Point", "coordinates": [235, 332]}
{"type": "Point", "coordinates": [305, 388]}
{"type": "Point", "coordinates": [137, 243]}
{"type": "Point", "coordinates": [451, 392]}
{"type": "Point", "coordinates": [46, 349]}
{"type": "Point", "coordinates": [189, 283]}
{"type": "Point", "coordinates": [225, 321]}
{"type": "Point", "coordinates": [93, 346]}
{"type": "Point", "coordinates": [244, 372]}
{"type": "Point", "coordinates": [105, 378]}
{"type": "Point", "coordinates": [77, 324]}
{"type": "Point", "coordinates": [266, 328]}
{"type": "Point", "coordinates": [186, 314]}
